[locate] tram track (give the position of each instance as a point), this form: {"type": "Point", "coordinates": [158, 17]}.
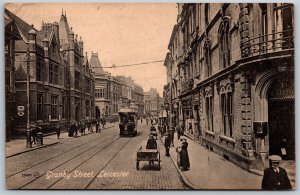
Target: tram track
{"type": "Point", "coordinates": [107, 163]}
{"type": "Point", "coordinates": [76, 156]}
{"type": "Point", "coordinates": [90, 142]}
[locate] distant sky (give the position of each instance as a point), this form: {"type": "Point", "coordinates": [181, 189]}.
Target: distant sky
{"type": "Point", "coordinates": [120, 33]}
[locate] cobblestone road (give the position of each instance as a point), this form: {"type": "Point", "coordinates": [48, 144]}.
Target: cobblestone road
{"type": "Point", "coordinates": [94, 161]}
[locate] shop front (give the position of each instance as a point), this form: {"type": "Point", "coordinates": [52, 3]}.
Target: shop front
{"type": "Point", "coordinates": [281, 115]}
{"type": "Point", "coordinates": [274, 110]}
{"type": "Point", "coordinates": [188, 118]}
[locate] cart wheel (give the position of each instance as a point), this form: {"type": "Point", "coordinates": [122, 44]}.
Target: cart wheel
{"type": "Point", "coordinates": [137, 165]}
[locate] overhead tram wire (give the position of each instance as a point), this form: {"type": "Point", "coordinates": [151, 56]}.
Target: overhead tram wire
{"type": "Point", "coordinates": [126, 65]}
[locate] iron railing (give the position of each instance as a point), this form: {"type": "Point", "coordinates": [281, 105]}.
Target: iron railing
{"type": "Point", "coordinates": [276, 41]}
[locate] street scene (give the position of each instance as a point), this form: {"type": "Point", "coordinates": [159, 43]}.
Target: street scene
{"type": "Point", "coordinates": [178, 96]}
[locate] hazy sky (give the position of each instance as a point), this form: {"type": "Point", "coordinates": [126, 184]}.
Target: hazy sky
{"type": "Point", "coordinates": [120, 33]}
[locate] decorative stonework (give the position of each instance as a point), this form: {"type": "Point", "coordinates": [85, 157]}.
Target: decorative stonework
{"type": "Point", "coordinates": [246, 116]}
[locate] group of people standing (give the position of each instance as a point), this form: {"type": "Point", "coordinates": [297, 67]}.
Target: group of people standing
{"type": "Point", "coordinates": [182, 149]}
{"type": "Point", "coordinates": [81, 126]}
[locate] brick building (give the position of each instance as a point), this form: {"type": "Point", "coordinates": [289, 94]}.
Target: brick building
{"type": "Point", "coordinates": [61, 87]}
{"type": "Point", "coordinates": [11, 35]}
{"type": "Point", "coordinates": [235, 82]}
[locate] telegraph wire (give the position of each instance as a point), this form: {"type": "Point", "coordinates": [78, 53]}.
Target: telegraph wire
{"type": "Point", "coordinates": [126, 65]}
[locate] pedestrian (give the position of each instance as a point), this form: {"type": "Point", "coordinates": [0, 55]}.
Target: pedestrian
{"type": "Point", "coordinates": [103, 123]}
{"type": "Point", "coordinates": [76, 129]}
{"type": "Point", "coordinates": [97, 127]}
{"type": "Point", "coordinates": [184, 156]}
{"type": "Point", "coordinates": [178, 130]}
{"type": "Point", "coordinates": [71, 131]}
{"type": "Point", "coordinates": [275, 177]}
{"type": "Point", "coordinates": [182, 129]}
{"type": "Point", "coordinates": [82, 128]}
{"type": "Point", "coordinates": [57, 128]}
{"type": "Point", "coordinates": [34, 134]}
{"type": "Point", "coordinates": [190, 128]}
{"type": "Point", "coordinates": [89, 126]}
{"type": "Point", "coordinates": [168, 144]}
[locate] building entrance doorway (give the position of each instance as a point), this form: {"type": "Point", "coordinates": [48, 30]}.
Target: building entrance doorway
{"type": "Point", "coordinates": [281, 113]}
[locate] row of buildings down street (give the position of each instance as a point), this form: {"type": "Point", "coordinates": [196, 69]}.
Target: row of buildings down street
{"type": "Point", "coordinates": [230, 70]}
{"type": "Point", "coordinates": [64, 84]}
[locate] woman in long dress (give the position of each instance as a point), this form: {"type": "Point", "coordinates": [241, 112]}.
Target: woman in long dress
{"type": "Point", "coordinates": [184, 156]}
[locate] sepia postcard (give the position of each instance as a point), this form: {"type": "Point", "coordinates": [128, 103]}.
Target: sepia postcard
{"type": "Point", "coordinates": [150, 96]}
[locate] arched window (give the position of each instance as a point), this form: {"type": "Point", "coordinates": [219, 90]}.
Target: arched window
{"type": "Point", "coordinates": [207, 57]}
{"type": "Point", "coordinates": [209, 110]}
{"type": "Point", "coordinates": [224, 41]}
{"type": "Point", "coordinates": [226, 97]}
{"type": "Point", "coordinates": [206, 14]}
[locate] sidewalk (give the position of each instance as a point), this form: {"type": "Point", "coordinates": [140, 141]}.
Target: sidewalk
{"type": "Point", "coordinates": [18, 146]}
{"type": "Point", "coordinates": [209, 170]}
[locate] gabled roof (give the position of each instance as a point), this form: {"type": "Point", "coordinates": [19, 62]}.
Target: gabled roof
{"type": "Point", "coordinates": [11, 30]}
{"type": "Point", "coordinates": [24, 27]}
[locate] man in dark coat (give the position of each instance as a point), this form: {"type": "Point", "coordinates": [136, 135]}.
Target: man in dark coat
{"type": "Point", "coordinates": [58, 130]}
{"type": "Point", "coordinates": [275, 177]}
{"type": "Point", "coordinates": [34, 132]}
{"type": "Point", "coordinates": [168, 144]}
{"type": "Point", "coordinates": [97, 127]}
{"type": "Point", "coordinates": [178, 130]}
{"type": "Point", "coordinates": [151, 143]}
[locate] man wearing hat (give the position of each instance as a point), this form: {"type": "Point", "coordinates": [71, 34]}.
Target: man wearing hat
{"type": "Point", "coordinates": [275, 177]}
{"type": "Point", "coordinates": [151, 143]}
{"type": "Point", "coordinates": [168, 144]}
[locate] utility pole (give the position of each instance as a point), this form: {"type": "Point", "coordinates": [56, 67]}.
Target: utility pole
{"type": "Point", "coordinates": [171, 128]}
{"type": "Point", "coordinates": [28, 131]}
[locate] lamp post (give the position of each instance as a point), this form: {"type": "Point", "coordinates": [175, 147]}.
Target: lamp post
{"type": "Point", "coordinates": [28, 131]}
{"type": "Point", "coordinates": [171, 128]}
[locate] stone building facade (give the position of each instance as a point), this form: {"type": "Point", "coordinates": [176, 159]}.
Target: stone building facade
{"type": "Point", "coordinates": [126, 90]}
{"type": "Point", "coordinates": [235, 66]}
{"type": "Point", "coordinates": [137, 97]}
{"type": "Point", "coordinates": [61, 87]}
{"type": "Point", "coordinates": [111, 92]}
{"type": "Point", "coordinates": [102, 87]}
{"type": "Point", "coordinates": [152, 102]}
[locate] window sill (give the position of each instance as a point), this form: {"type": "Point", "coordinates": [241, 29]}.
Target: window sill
{"type": "Point", "coordinates": [227, 139]}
